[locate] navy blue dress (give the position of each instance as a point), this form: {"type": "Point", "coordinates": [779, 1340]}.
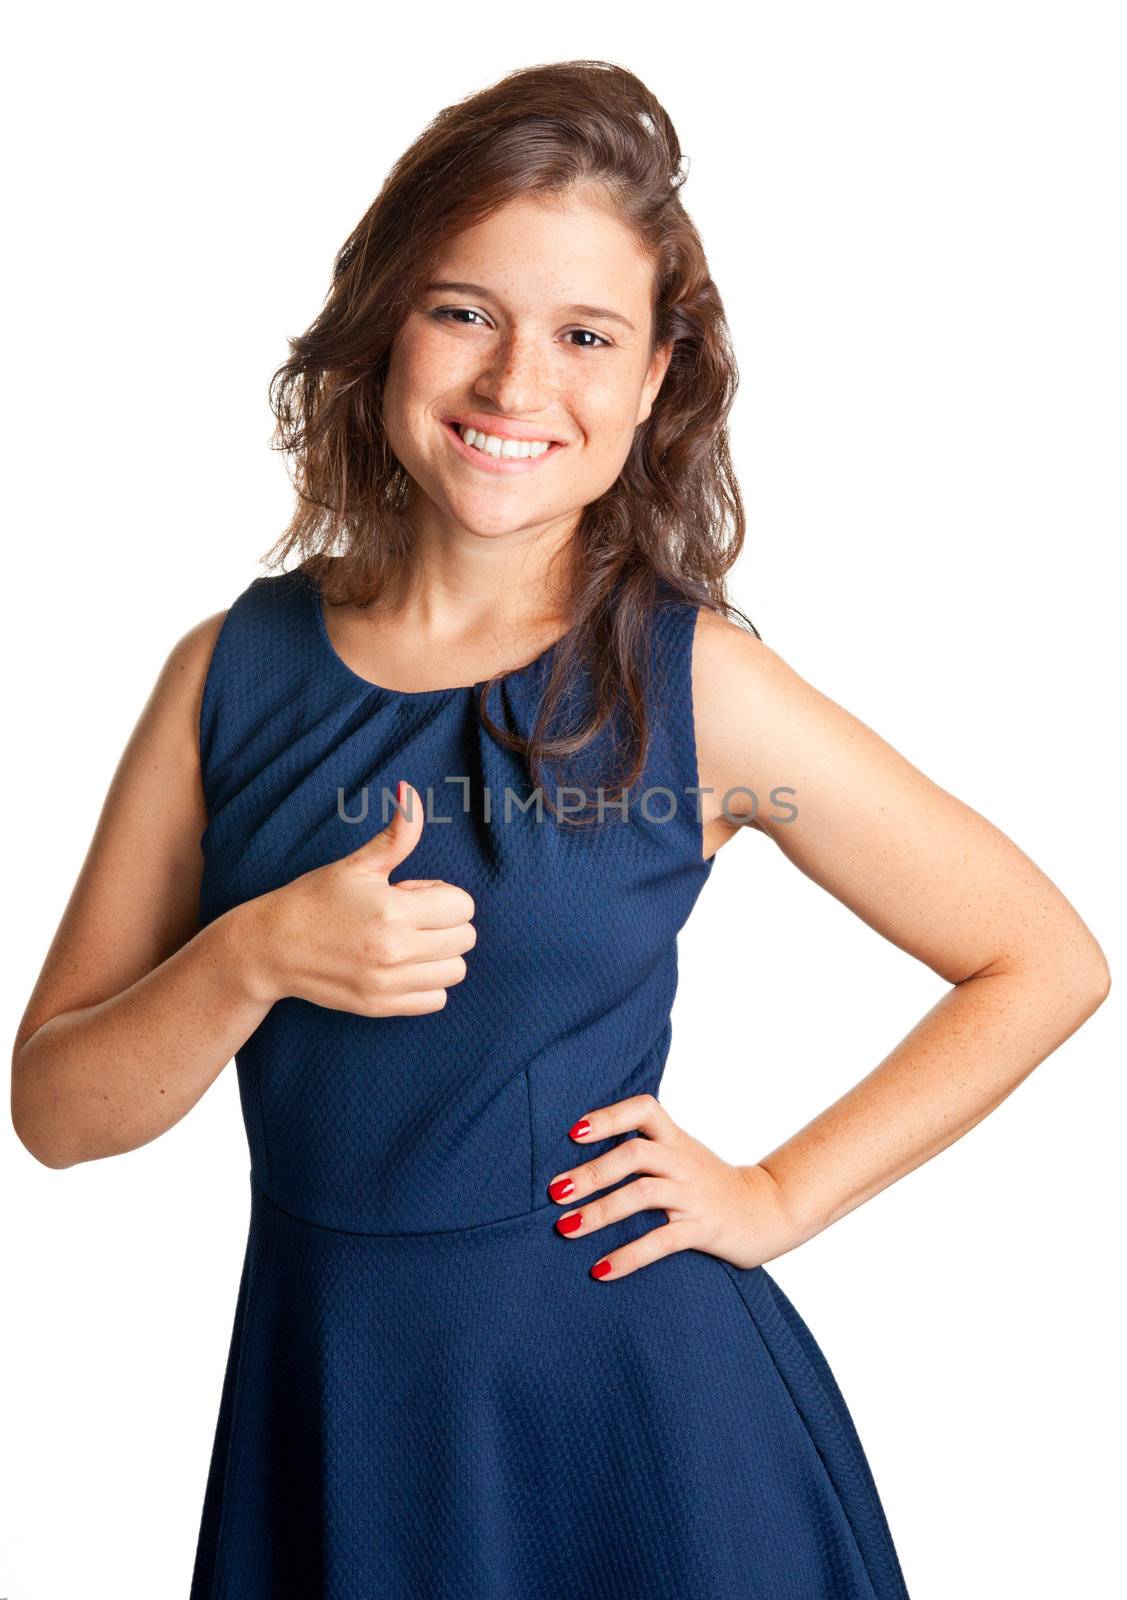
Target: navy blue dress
{"type": "Point", "coordinates": [428, 1396]}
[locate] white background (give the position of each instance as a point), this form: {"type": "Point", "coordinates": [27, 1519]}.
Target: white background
{"type": "Point", "coordinates": [915, 218]}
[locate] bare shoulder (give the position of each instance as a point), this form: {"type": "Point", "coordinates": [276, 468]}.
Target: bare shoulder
{"type": "Point", "coordinates": [176, 693]}
{"type": "Point", "coordinates": [135, 899]}
{"type": "Point", "coordinates": [185, 670]}
{"type": "Point", "coordinates": [169, 721]}
{"type": "Point", "coordinates": [161, 760]}
{"type": "Point", "coordinates": [740, 687]}
{"type": "Point", "coordinates": [773, 747]}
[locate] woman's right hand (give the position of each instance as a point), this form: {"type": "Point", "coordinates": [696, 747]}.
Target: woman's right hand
{"type": "Point", "coordinates": [342, 937]}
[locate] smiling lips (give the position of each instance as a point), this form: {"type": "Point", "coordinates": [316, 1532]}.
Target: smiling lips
{"type": "Point", "coordinates": [497, 452]}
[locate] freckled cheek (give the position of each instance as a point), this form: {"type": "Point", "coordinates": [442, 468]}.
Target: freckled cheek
{"type": "Point", "coordinates": [600, 413]}
{"type": "Point", "coordinates": [420, 372]}
{"type": "Point", "coordinates": [417, 385]}
{"type": "Point", "coordinates": [608, 433]}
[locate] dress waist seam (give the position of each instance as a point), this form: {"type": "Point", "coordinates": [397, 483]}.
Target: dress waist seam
{"type": "Point", "coordinates": [539, 1216]}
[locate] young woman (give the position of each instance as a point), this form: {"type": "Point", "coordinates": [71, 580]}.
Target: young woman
{"type": "Point", "coordinates": [504, 1328]}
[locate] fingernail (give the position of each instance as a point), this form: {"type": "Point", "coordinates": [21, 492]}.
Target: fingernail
{"type": "Point", "coordinates": [600, 1269]}
{"type": "Point", "coordinates": [580, 1129]}
{"type": "Point", "coordinates": [570, 1224]}
{"type": "Point", "coordinates": [561, 1188]}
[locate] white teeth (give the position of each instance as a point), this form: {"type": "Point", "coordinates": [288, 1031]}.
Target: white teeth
{"type": "Point", "coordinates": [492, 445]}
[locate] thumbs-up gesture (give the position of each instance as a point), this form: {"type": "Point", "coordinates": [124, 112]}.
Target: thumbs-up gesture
{"type": "Point", "coordinates": [341, 936]}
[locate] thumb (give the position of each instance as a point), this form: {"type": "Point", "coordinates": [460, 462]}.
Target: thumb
{"type": "Point", "coordinates": [393, 844]}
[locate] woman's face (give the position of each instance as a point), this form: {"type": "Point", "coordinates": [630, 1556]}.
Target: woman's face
{"type": "Point", "coordinates": [510, 338]}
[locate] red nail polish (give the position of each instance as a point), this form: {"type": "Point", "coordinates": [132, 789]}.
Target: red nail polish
{"type": "Point", "coordinates": [570, 1224]}
{"type": "Point", "coordinates": [580, 1129]}
{"type": "Point", "coordinates": [561, 1188]}
{"type": "Point", "coordinates": [600, 1269]}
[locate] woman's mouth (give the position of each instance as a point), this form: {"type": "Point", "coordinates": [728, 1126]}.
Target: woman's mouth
{"type": "Point", "coordinates": [490, 453]}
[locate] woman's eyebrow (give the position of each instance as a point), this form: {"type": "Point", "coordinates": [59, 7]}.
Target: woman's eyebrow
{"type": "Point", "coordinates": [596, 313]}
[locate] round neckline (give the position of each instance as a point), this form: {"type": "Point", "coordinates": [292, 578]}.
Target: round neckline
{"type": "Point", "coordinates": [313, 593]}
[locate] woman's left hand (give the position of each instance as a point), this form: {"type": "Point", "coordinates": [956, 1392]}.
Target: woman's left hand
{"type": "Point", "coordinates": [732, 1212]}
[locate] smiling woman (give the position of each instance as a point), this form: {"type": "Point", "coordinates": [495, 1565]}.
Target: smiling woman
{"type": "Point", "coordinates": [550, 302]}
{"type": "Point", "coordinates": [515, 373]}
{"type": "Point", "coordinates": [508, 431]}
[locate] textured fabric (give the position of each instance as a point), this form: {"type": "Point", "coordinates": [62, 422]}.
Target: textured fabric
{"type": "Point", "coordinates": [427, 1394]}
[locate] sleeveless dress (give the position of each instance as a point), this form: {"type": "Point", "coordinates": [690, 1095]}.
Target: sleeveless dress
{"type": "Point", "coordinates": [428, 1395]}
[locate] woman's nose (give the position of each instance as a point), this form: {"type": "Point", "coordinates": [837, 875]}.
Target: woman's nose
{"type": "Point", "coordinates": [517, 379]}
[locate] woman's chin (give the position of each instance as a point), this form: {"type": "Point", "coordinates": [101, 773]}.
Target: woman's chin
{"type": "Point", "coordinates": [492, 521]}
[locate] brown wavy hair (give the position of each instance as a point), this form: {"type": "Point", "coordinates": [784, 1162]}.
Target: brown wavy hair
{"type": "Point", "coordinates": [671, 525]}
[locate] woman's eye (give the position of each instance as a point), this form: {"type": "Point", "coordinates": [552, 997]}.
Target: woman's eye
{"type": "Point", "coordinates": [456, 311]}
{"type": "Point", "coordinates": [597, 336]}
{"type": "Point", "coordinates": [446, 313]}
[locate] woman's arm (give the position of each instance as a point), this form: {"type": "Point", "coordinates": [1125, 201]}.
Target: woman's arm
{"type": "Point", "coordinates": [135, 1012]}
{"type": "Point", "coordinates": [924, 870]}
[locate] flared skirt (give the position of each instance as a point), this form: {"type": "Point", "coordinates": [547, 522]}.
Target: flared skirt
{"type": "Point", "coordinates": [469, 1415]}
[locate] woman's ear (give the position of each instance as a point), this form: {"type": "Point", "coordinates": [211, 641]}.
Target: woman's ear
{"type": "Point", "coordinates": [655, 377]}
